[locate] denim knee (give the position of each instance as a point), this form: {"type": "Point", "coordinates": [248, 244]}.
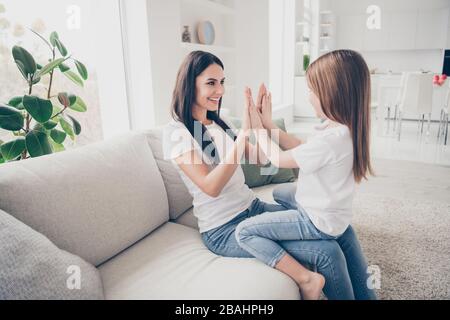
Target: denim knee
{"type": "Point", "coordinates": [241, 233]}
{"type": "Point", "coordinates": [284, 191]}
{"type": "Point", "coordinates": [330, 253]}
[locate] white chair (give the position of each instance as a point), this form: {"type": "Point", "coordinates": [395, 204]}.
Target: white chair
{"type": "Point", "coordinates": [387, 100]}
{"type": "Point", "coordinates": [443, 121]}
{"type": "Point", "coordinates": [416, 98]}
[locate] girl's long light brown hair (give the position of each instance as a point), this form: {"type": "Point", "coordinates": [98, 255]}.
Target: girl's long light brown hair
{"type": "Point", "coordinates": [341, 81]}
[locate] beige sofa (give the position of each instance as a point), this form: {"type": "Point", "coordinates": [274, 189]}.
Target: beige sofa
{"type": "Point", "coordinates": [118, 205]}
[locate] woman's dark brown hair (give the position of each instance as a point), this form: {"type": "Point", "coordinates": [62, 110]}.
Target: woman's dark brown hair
{"type": "Point", "coordinates": [184, 98]}
{"type": "Point", "coordinates": [341, 81]}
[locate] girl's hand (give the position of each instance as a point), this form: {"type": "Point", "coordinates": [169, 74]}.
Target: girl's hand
{"type": "Point", "coordinates": [266, 110]}
{"type": "Point", "coordinates": [259, 101]}
{"type": "Point", "coordinates": [254, 115]}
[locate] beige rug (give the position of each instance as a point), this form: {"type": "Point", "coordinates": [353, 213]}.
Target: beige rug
{"type": "Point", "coordinates": [402, 218]}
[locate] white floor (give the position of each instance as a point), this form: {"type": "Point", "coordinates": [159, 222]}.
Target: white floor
{"type": "Point", "coordinates": [412, 146]}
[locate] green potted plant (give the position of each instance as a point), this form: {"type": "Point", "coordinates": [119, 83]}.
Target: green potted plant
{"type": "Point", "coordinates": [40, 125]}
{"type": "Point", "coordinates": [306, 60]}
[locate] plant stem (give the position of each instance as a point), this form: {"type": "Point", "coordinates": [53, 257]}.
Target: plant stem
{"type": "Point", "coordinates": [59, 112]}
{"type": "Point", "coordinates": [28, 119]}
{"type": "Point", "coordinates": [51, 77]}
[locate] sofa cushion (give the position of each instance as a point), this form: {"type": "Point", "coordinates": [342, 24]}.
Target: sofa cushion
{"type": "Point", "coordinates": [32, 267]}
{"type": "Point", "coordinates": [177, 194]}
{"type": "Point", "coordinates": [173, 263]}
{"type": "Point", "coordinates": [264, 193]}
{"type": "Point", "coordinates": [93, 201]}
{"type": "Point", "coordinates": [255, 175]}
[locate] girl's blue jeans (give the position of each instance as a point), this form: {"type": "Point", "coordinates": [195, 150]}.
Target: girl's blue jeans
{"type": "Point", "coordinates": [258, 232]}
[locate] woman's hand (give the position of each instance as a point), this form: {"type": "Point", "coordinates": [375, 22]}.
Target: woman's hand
{"type": "Point", "coordinates": [246, 123]}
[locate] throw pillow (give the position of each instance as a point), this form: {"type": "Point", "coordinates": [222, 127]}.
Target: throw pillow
{"type": "Point", "coordinates": [33, 268]}
{"type": "Point", "coordinates": [253, 173]}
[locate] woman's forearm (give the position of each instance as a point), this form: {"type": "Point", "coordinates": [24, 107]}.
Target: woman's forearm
{"type": "Point", "coordinates": [217, 179]}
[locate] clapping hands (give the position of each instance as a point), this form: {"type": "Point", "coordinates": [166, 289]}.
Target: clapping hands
{"type": "Point", "coordinates": [259, 115]}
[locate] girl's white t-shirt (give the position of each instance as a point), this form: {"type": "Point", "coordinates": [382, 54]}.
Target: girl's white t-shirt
{"type": "Point", "coordinates": [234, 198]}
{"type": "Point", "coordinates": [326, 183]}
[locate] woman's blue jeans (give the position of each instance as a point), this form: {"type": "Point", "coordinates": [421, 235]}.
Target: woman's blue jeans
{"type": "Point", "coordinates": [340, 261]}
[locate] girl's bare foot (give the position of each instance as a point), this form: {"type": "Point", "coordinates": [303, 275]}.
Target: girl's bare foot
{"type": "Point", "coordinates": [312, 288]}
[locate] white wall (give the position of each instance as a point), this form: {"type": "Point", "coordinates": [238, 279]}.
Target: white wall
{"type": "Point", "coordinates": [252, 21]}
{"type": "Point", "coordinates": [249, 66]}
{"type": "Point", "coordinates": [166, 55]}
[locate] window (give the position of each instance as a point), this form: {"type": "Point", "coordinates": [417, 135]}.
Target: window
{"type": "Point", "coordinates": [281, 56]}
{"type": "Point", "coordinates": [91, 31]}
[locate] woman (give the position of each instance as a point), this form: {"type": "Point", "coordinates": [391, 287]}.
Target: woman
{"type": "Point", "coordinates": [207, 155]}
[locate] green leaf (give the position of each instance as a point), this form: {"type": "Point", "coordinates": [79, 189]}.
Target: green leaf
{"type": "Point", "coordinates": [11, 119]}
{"type": "Point", "coordinates": [72, 99]}
{"type": "Point", "coordinates": [79, 105]}
{"type": "Point", "coordinates": [36, 79]}
{"type": "Point", "coordinates": [37, 143]}
{"type": "Point", "coordinates": [1, 159]}
{"type": "Point", "coordinates": [49, 125]}
{"type": "Point", "coordinates": [53, 37]}
{"type": "Point", "coordinates": [25, 59]}
{"type": "Point", "coordinates": [67, 128]}
{"type": "Point", "coordinates": [63, 98]}
{"type": "Point", "coordinates": [61, 48]}
{"type": "Point", "coordinates": [16, 102]}
{"type": "Point", "coordinates": [58, 136]}
{"type": "Point", "coordinates": [74, 77]}
{"type": "Point", "coordinates": [81, 69]}
{"type": "Point", "coordinates": [11, 150]}
{"type": "Point", "coordinates": [50, 66]}
{"type": "Point", "coordinates": [64, 67]}
{"type": "Point", "coordinates": [39, 127]}
{"type": "Point", "coordinates": [40, 109]}
{"type": "Point", "coordinates": [56, 146]}
{"type": "Point", "coordinates": [22, 70]}
{"type": "Point", "coordinates": [38, 66]}
{"type": "Point", "coordinates": [76, 125]}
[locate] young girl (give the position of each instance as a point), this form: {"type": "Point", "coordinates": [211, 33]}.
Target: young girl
{"type": "Point", "coordinates": [330, 163]}
{"type": "Point", "coordinates": [207, 155]}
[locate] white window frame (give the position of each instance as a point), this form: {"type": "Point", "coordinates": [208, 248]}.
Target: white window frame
{"type": "Point", "coordinates": [282, 47]}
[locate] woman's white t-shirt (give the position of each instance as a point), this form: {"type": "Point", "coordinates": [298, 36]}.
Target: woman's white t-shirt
{"type": "Point", "coordinates": [234, 198]}
{"type": "Point", "coordinates": [326, 183]}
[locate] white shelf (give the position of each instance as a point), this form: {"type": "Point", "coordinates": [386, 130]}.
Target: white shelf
{"type": "Point", "coordinates": [326, 12]}
{"type": "Point", "coordinates": [326, 24]}
{"type": "Point", "coordinates": [213, 6]}
{"type": "Point", "coordinates": [205, 47]}
{"type": "Point", "coordinates": [325, 37]}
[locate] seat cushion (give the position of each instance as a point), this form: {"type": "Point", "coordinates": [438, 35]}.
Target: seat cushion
{"type": "Point", "coordinates": [264, 193]}
{"type": "Point", "coordinates": [177, 194]}
{"type": "Point", "coordinates": [93, 201]}
{"type": "Point", "coordinates": [32, 267]}
{"type": "Point", "coordinates": [173, 263]}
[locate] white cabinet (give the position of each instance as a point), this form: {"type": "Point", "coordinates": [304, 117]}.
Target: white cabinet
{"type": "Point", "coordinates": [401, 31]}
{"type": "Point", "coordinates": [414, 30]}
{"type": "Point", "coordinates": [377, 39]}
{"type": "Point", "coordinates": [303, 107]}
{"type": "Point", "coordinates": [350, 31]}
{"type": "Point", "coordinates": [431, 29]}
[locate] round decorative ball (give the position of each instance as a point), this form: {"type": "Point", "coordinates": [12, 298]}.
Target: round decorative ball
{"type": "Point", "coordinates": [205, 32]}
